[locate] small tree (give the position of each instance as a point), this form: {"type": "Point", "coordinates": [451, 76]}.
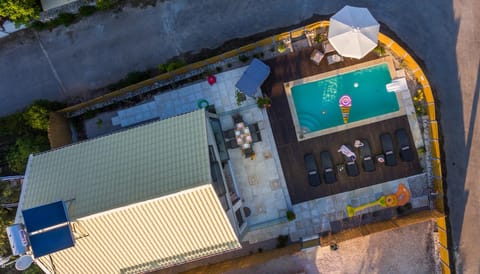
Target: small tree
{"type": "Point", "coordinates": [17, 156]}
{"type": "Point", "coordinates": [20, 11]}
{"type": "Point", "coordinates": [37, 114]}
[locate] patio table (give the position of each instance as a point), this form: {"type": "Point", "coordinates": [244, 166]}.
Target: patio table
{"type": "Point", "coordinates": [243, 136]}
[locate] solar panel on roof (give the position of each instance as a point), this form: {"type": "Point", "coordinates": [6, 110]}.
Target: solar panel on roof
{"type": "Point", "coordinates": [44, 216]}
{"type": "Point", "coordinates": [51, 241]}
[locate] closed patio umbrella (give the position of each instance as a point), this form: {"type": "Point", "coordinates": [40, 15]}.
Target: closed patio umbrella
{"type": "Point", "coordinates": [353, 32]}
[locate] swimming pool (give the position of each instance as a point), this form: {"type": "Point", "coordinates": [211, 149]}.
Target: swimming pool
{"type": "Point", "coordinates": [317, 103]}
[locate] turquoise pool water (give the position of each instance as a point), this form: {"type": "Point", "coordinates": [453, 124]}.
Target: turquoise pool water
{"type": "Point", "coordinates": [317, 104]}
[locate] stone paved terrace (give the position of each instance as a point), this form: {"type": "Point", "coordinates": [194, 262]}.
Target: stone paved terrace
{"type": "Point", "coordinates": [320, 215]}
{"type": "Point", "coordinates": [259, 180]}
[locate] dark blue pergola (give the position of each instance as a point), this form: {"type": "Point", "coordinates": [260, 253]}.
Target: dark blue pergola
{"type": "Point", "coordinates": [253, 77]}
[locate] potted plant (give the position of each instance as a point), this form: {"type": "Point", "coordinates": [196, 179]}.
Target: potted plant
{"type": "Point", "coordinates": [379, 50]}
{"type": "Point", "coordinates": [319, 38]}
{"type": "Point", "coordinates": [240, 97]}
{"type": "Point", "coordinates": [264, 102]}
{"type": "Point", "coordinates": [281, 47]}
{"type": "Point", "coordinates": [291, 215]}
{"type": "Point", "coordinates": [99, 123]}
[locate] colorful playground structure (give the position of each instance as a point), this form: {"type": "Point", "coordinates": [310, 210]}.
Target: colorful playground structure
{"type": "Point", "coordinates": [399, 198]}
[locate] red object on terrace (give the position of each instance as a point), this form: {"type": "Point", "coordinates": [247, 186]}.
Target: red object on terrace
{"type": "Point", "coordinates": [212, 79]}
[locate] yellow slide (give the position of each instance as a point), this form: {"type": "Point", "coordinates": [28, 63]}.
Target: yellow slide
{"type": "Point", "coordinates": [400, 198]}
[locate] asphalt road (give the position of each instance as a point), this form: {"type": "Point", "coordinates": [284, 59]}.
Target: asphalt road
{"type": "Point", "coordinates": [68, 62]}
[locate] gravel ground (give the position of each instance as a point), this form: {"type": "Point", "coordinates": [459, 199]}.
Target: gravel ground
{"type": "Point", "coordinates": [406, 250]}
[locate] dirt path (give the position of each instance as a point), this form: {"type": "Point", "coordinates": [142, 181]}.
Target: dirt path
{"type": "Point", "coordinates": [405, 250]}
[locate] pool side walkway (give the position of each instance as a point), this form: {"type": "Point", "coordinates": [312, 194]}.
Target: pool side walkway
{"type": "Point", "coordinates": [316, 216]}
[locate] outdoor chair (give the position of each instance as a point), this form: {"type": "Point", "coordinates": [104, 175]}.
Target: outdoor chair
{"type": "Point", "coordinates": [327, 47]}
{"type": "Point", "coordinates": [387, 149]}
{"type": "Point", "coordinates": [312, 169]}
{"type": "Point", "coordinates": [231, 144]}
{"type": "Point", "coordinates": [327, 167]}
{"type": "Point", "coordinates": [316, 56]}
{"type": "Point", "coordinates": [368, 162]}
{"type": "Point", "coordinates": [229, 134]}
{"type": "Point", "coordinates": [255, 133]}
{"type": "Point", "coordinates": [404, 145]}
{"type": "Point", "coordinates": [332, 59]}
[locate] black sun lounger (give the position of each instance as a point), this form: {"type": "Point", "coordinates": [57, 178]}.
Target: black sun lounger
{"type": "Point", "coordinates": [327, 167]}
{"type": "Point", "coordinates": [368, 162]}
{"type": "Point", "coordinates": [312, 170]}
{"type": "Point", "coordinates": [387, 149]}
{"type": "Point", "coordinates": [404, 145]}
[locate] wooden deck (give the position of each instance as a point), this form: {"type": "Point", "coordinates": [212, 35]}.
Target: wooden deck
{"type": "Point", "coordinates": [298, 65]}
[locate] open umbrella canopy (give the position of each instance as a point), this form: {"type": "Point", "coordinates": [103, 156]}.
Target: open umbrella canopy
{"type": "Point", "coordinates": [353, 32]}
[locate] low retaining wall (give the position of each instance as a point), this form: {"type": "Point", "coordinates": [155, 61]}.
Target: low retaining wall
{"type": "Point", "coordinates": [413, 66]}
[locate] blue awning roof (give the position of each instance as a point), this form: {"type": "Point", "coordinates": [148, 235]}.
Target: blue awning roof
{"type": "Point", "coordinates": [253, 77]}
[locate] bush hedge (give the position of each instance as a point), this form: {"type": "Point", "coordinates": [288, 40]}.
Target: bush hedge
{"type": "Point", "coordinates": [26, 133]}
{"type": "Point", "coordinates": [131, 78]}
{"type": "Point", "coordinates": [85, 11]}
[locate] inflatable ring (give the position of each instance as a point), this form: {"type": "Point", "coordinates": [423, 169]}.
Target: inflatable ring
{"type": "Point", "coordinates": [391, 200]}
{"type": "Point", "coordinates": [202, 103]}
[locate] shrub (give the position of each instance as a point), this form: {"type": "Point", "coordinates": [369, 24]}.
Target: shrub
{"type": "Point", "coordinates": [106, 4]}
{"type": "Point", "coordinates": [243, 58]}
{"type": "Point", "coordinates": [263, 102]}
{"type": "Point", "coordinates": [131, 78]}
{"type": "Point", "coordinates": [219, 69]}
{"type": "Point", "coordinates": [20, 12]}
{"type": "Point", "coordinates": [87, 10]}
{"type": "Point", "coordinates": [162, 68]}
{"type": "Point", "coordinates": [240, 97]}
{"type": "Point", "coordinates": [65, 18]}
{"type": "Point", "coordinates": [99, 123]}
{"type": "Point", "coordinates": [89, 114]}
{"type": "Point", "coordinates": [319, 38]}
{"type": "Point", "coordinates": [37, 115]}
{"type": "Point", "coordinates": [17, 156]}
{"type": "Point", "coordinates": [281, 47]}
{"type": "Point", "coordinates": [379, 50]}
{"type": "Point", "coordinates": [290, 215]}
{"type": "Point", "coordinates": [173, 65]}
{"type": "Point", "coordinates": [38, 25]}
{"type": "Point", "coordinates": [418, 102]}
{"type": "Point", "coordinates": [13, 125]}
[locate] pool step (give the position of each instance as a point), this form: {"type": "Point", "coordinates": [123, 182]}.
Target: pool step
{"type": "Point", "coordinates": [309, 121]}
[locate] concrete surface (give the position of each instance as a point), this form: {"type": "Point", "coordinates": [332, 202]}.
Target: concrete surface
{"type": "Point", "coordinates": [405, 250]}
{"type": "Point", "coordinates": [103, 48]}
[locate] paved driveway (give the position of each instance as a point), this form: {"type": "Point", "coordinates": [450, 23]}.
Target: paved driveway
{"type": "Point", "coordinates": [105, 47]}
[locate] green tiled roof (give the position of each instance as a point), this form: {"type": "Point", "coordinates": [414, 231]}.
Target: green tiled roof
{"type": "Point", "coordinates": [134, 165]}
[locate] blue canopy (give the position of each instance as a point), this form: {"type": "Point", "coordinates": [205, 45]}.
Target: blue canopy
{"type": "Point", "coordinates": [253, 77]}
